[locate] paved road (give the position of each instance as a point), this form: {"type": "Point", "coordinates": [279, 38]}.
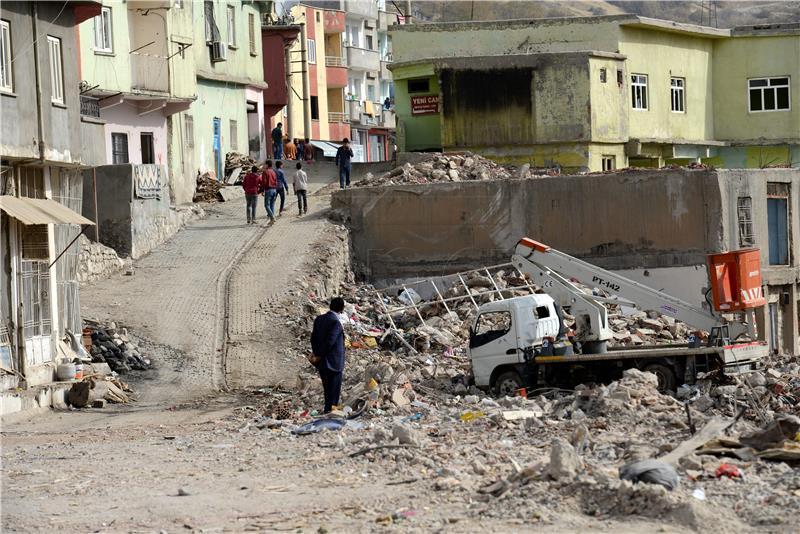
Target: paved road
{"type": "Point", "coordinates": [176, 298]}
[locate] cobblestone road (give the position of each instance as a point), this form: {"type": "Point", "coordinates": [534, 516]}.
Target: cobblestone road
{"type": "Point", "coordinates": [176, 296]}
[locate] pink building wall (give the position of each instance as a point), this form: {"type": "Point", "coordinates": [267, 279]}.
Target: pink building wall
{"type": "Point", "coordinates": [125, 118]}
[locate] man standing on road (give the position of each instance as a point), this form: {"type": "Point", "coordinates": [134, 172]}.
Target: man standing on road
{"type": "Point", "coordinates": [343, 157]}
{"type": "Point", "coordinates": [327, 346]}
{"type": "Point", "coordinates": [269, 182]}
{"type": "Point", "coordinates": [300, 183]}
{"type": "Point", "coordinates": [277, 141]}
{"type": "Point", "coordinates": [252, 187]}
{"type": "Point", "coordinates": [283, 185]}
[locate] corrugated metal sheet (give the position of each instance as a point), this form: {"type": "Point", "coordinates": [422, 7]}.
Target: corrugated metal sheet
{"type": "Point", "coordinates": [40, 211]}
{"type": "Point", "coordinates": [328, 149]}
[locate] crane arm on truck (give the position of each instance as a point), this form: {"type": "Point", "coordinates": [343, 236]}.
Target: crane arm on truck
{"type": "Point", "coordinates": [552, 270]}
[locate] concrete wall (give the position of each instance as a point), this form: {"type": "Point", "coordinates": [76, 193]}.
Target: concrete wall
{"type": "Point", "coordinates": [453, 39]}
{"type": "Point", "coordinates": [611, 219]}
{"type": "Point", "coordinates": [218, 99]}
{"type": "Point", "coordinates": [131, 225]}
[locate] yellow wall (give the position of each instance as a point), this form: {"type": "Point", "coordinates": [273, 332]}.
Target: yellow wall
{"type": "Point", "coordinates": [741, 58]}
{"type": "Point", "coordinates": [609, 101]}
{"type": "Point", "coordinates": [662, 55]}
{"type": "Point", "coordinates": [109, 71]}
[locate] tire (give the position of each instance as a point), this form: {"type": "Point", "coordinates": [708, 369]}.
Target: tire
{"type": "Point", "coordinates": [507, 384]}
{"type": "Point", "coordinates": [667, 381]}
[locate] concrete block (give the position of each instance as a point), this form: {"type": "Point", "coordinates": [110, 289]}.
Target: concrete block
{"type": "Point", "coordinates": [232, 192]}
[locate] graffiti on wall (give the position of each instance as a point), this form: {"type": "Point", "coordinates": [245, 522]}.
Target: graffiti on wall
{"type": "Point", "coordinates": [147, 181]}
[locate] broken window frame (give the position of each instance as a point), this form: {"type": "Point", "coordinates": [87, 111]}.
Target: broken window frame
{"type": "Point", "coordinates": [677, 92]}
{"type": "Point", "coordinates": [769, 86]}
{"type": "Point", "coordinates": [639, 92]}
{"type": "Point", "coordinates": [744, 213]}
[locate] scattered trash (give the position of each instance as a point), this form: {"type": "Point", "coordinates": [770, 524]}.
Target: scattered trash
{"type": "Point", "coordinates": [728, 470]}
{"type": "Point", "coordinates": [318, 426]}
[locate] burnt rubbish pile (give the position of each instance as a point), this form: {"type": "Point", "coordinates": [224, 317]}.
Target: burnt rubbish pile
{"type": "Point", "coordinates": [115, 347]}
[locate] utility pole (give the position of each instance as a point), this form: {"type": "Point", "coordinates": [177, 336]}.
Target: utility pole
{"type": "Point", "coordinates": [306, 92]}
{"type": "Point", "coordinates": [287, 59]}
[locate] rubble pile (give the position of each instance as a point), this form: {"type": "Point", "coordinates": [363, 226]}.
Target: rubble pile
{"type": "Point", "coordinates": [207, 189]}
{"type": "Point", "coordinates": [440, 168]}
{"type": "Point", "coordinates": [235, 161]}
{"type": "Point", "coordinates": [115, 347]}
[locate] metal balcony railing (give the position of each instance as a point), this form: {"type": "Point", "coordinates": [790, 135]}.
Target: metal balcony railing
{"type": "Point", "coordinates": [335, 61]}
{"type": "Point", "coordinates": [336, 116]}
{"type": "Point", "coordinates": [90, 107]}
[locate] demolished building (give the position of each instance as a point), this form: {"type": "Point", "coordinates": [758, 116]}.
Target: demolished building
{"type": "Point", "coordinates": [654, 226]}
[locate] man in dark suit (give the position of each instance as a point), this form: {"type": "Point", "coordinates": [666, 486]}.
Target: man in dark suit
{"type": "Point", "coordinates": [327, 346]}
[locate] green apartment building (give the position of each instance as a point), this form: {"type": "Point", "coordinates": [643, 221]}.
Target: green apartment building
{"type": "Point", "coordinates": [599, 93]}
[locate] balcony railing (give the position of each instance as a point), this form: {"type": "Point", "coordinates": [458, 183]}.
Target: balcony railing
{"type": "Point", "coordinates": [90, 107]}
{"type": "Point", "coordinates": [335, 61]}
{"type": "Point", "coordinates": [149, 72]}
{"type": "Point", "coordinates": [337, 116]}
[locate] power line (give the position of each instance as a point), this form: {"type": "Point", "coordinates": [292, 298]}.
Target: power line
{"type": "Point", "coordinates": [25, 50]}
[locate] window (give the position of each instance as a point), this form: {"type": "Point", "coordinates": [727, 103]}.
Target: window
{"type": "Point", "coordinates": [369, 42]}
{"type": "Point", "coordinates": [769, 94]}
{"type": "Point", "coordinates": [56, 70]}
{"type": "Point", "coordinates": [489, 327]}
{"type": "Point", "coordinates": [744, 210]}
{"type": "Point", "coordinates": [212, 31]}
{"type": "Point", "coordinates": [231, 27]}
{"type": "Point", "coordinates": [603, 75]}
{"type": "Point", "coordinates": [178, 4]}
{"type": "Point", "coordinates": [188, 130]}
{"type": "Point", "coordinates": [315, 108]}
{"type": "Point", "coordinates": [103, 41]}
{"type": "Point", "coordinates": [418, 86]}
{"type": "Point", "coordinates": [6, 76]}
{"type": "Point", "coordinates": [778, 222]}
{"type": "Point", "coordinates": [251, 21]}
{"type": "Point", "coordinates": [354, 88]}
{"type": "Point", "coordinates": [371, 93]}
{"type": "Point", "coordinates": [677, 93]}
{"type": "Point", "coordinates": [639, 91]}
{"type": "Point", "coordinates": [609, 163]}
{"type": "Point", "coordinates": [317, 16]}
{"type": "Point", "coordinates": [119, 148]}
{"type": "Point", "coordinates": [234, 135]}
{"type": "Point", "coordinates": [620, 78]}
{"type": "Point", "coordinates": [541, 312]}
{"type": "Point", "coordinates": [148, 153]}
{"type": "Point", "coordinates": [311, 46]}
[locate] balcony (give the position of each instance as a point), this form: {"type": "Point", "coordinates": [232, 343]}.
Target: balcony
{"type": "Point", "coordinates": [335, 72]}
{"type": "Point", "coordinates": [386, 74]}
{"type": "Point", "coordinates": [90, 107]}
{"type": "Point", "coordinates": [149, 72]}
{"type": "Point", "coordinates": [354, 110]}
{"type": "Point", "coordinates": [337, 116]}
{"type": "Point", "coordinates": [362, 59]}
{"type": "Point", "coordinates": [389, 120]}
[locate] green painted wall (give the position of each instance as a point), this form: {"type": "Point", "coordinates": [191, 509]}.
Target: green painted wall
{"type": "Point", "coordinates": [217, 99]}
{"type": "Point", "coordinates": [110, 71]}
{"type": "Point", "coordinates": [416, 132]}
{"type": "Point", "coordinates": [661, 55]}
{"type": "Point", "coordinates": [736, 60]}
{"type": "Point", "coordinates": [240, 65]}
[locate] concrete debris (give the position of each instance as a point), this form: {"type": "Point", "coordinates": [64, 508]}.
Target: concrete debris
{"type": "Point", "coordinates": [116, 348]}
{"type": "Point", "coordinates": [564, 461]}
{"type": "Point", "coordinates": [442, 168]}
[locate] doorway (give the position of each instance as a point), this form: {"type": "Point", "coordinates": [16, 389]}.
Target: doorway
{"type": "Point", "coordinates": [217, 146]}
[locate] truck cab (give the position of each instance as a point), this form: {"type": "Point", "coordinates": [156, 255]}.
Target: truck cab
{"type": "Point", "coordinates": [501, 334]}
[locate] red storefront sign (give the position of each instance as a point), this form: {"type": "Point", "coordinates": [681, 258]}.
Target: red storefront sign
{"type": "Point", "coordinates": [424, 105]}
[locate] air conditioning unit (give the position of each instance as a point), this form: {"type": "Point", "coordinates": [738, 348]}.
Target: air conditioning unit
{"type": "Point", "coordinates": [219, 52]}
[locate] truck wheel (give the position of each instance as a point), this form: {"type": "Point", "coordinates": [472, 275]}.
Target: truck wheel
{"type": "Point", "coordinates": [507, 384]}
{"type": "Point", "coordinates": [667, 381]}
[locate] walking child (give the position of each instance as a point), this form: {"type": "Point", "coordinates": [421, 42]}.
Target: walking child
{"type": "Point", "coordinates": [300, 183]}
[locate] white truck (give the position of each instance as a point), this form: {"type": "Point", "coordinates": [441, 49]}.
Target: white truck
{"type": "Point", "coordinates": [522, 342]}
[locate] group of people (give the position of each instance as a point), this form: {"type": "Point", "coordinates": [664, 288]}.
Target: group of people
{"type": "Point", "coordinates": [271, 182]}
{"type": "Point", "coordinates": [283, 147]}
